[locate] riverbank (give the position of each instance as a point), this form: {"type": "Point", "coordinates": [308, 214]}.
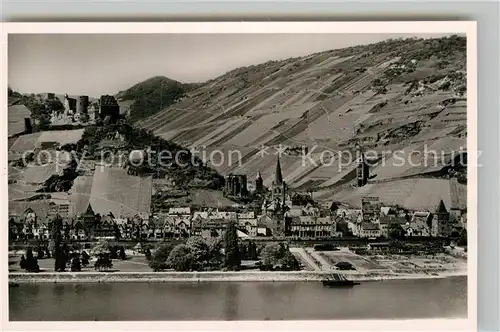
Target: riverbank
{"type": "Point", "coordinates": [111, 277]}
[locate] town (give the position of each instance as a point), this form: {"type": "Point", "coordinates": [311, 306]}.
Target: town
{"type": "Point", "coordinates": [115, 202]}
{"type": "Point", "coordinates": [313, 182]}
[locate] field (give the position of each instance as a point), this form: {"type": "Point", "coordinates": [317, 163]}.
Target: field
{"type": "Point", "coordinates": [383, 264]}
{"type": "Point", "coordinates": [113, 190]}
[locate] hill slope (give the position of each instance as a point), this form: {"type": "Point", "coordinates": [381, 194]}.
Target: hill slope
{"type": "Point", "coordinates": [152, 95]}
{"type": "Point", "coordinates": [397, 94]}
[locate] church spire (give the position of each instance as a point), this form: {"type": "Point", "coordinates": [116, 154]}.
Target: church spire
{"type": "Point", "coordinates": [278, 177]}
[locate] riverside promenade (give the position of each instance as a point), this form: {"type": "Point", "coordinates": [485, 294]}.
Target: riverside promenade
{"type": "Point", "coordinates": [264, 276]}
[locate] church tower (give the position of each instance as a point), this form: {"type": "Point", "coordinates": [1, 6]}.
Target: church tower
{"type": "Point", "coordinates": [362, 169]}
{"type": "Point", "coordinates": [278, 177]}
{"type": "Point", "coordinates": [259, 184]}
{"type": "Point", "coordinates": [279, 188]}
{"type": "Point", "coordinates": [442, 218]}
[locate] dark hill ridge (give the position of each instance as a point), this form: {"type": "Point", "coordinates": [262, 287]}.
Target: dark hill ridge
{"type": "Point", "coordinates": [152, 95]}
{"type": "Point", "coordinates": [396, 94]}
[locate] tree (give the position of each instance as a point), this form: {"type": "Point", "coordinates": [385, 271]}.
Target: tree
{"type": "Point", "coordinates": [289, 262]}
{"type": "Point", "coordinates": [40, 253]}
{"type": "Point", "coordinates": [102, 247]}
{"type": "Point", "coordinates": [180, 258]}
{"type": "Point", "coordinates": [462, 238]}
{"type": "Point", "coordinates": [103, 262]}
{"type": "Point", "coordinates": [199, 250]}
{"type": "Point", "coordinates": [270, 255]}
{"type": "Point", "coordinates": [84, 118]}
{"type": "Point", "coordinates": [55, 244]}
{"type": "Point", "coordinates": [122, 253]}
{"type": "Point", "coordinates": [65, 259]}
{"type": "Point", "coordinates": [76, 265]}
{"type": "Point", "coordinates": [54, 105]}
{"type": "Point", "coordinates": [47, 253]}
{"type": "Point", "coordinates": [252, 251]}
{"type": "Point", "coordinates": [22, 262]}
{"type": "Point", "coordinates": [158, 261]}
{"type": "Point", "coordinates": [231, 249]}
{"type": "Point", "coordinates": [113, 252]}
{"type": "Point", "coordinates": [118, 234]}
{"type": "Point", "coordinates": [215, 252]}
{"type": "Point", "coordinates": [395, 231]}
{"type": "Point", "coordinates": [85, 258]}
{"type": "Point", "coordinates": [31, 263]}
{"type": "Point", "coordinates": [343, 227]}
{"type": "Point", "coordinates": [147, 253]}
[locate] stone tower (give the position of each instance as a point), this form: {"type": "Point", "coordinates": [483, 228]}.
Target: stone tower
{"type": "Point", "coordinates": [362, 170]}
{"type": "Point", "coordinates": [259, 184]}
{"type": "Point", "coordinates": [442, 219]}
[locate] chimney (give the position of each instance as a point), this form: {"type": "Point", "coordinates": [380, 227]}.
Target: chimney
{"type": "Point", "coordinates": [28, 128]}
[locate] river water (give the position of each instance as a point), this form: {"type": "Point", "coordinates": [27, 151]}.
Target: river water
{"type": "Point", "coordinates": [431, 298]}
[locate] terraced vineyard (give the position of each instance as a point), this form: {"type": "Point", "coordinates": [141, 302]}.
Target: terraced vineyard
{"type": "Point", "coordinates": [387, 96]}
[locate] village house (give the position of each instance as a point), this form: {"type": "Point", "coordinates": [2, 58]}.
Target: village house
{"type": "Point", "coordinates": [312, 227]}
{"type": "Point", "coordinates": [416, 228]}
{"type": "Point", "coordinates": [208, 228]}
{"type": "Point", "coordinates": [180, 211]}
{"type": "Point", "coordinates": [77, 231]}
{"type": "Point", "coordinates": [60, 207]}
{"type": "Point", "coordinates": [181, 226]}
{"type": "Point", "coordinates": [388, 223]}
{"type": "Point", "coordinates": [106, 227]}
{"type": "Point", "coordinates": [369, 230]}
{"type": "Point", "coordinates": [387, 211]}
{"type": "Point", "coordinates": [308, 210]}
{"type": "Point", "coordinates": [421, 224]}
{"type": "Point", "coordinates": [247, 222]}
{"type": "Point", "coordinates": [273, 225]}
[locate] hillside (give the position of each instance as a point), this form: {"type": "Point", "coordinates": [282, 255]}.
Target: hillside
{"type": "Point", "coordinates": [152, 95]}
{"type": "Point", "coordinates": [398, 94]}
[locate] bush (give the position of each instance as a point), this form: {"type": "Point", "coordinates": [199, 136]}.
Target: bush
{"type": "Point", "coordinates": [180, 258]}
{"type": "Point", "coordinates": [76, 265]}
{"type": "Point", "coordinates": [40, 253]}
{"type": "Point", "coordinates": [85, 258]}
{"type": "Point", "coordinates": [103, 262]}
{"type": "Point", "coordinates": [277, 256]}
{"type": "Point", "coordinates": [147, 253]}
{"type": "Point", "coordinates": [199, 250]}
{"type": "Point", "coordinates": [22, 262]}
{"type": "Point", "coordinates": [158, 261]}
{"type": "Point", "coordinates": [122, 253]}
{"type": "Point", "coordinates": [31, 263]}
{"type": "Point", "coordinates": [231, 248]}
{"type": "Point", "coordinates": [113, 252]}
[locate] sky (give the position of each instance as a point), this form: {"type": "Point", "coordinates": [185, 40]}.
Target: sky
{"type": "Point", "coordinates": [96, 64]}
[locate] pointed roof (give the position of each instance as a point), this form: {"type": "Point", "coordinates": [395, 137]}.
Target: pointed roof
{"type": "Point", "coordinates": [334, 206]}
{"type": "Point", "coordinates": [441, 208]}
{"type": "Point", "coordinates": [278, 177]}
{"type": "Point", "coordinates": [89, 211]}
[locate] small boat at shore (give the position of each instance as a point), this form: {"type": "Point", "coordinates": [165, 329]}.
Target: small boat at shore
{"type": "Point", "coordinates": [338, 280]}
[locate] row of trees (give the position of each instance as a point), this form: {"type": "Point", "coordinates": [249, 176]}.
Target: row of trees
{"type": "Point", "coordinates": [199, 254]}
